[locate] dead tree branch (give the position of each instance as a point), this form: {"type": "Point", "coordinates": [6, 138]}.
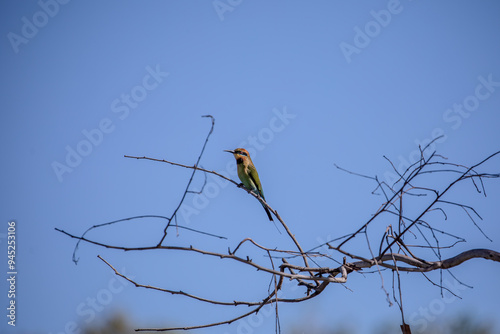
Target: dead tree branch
{"type": "Point", "coordinates": [392, 251]}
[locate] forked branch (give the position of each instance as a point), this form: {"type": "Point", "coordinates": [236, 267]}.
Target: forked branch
{"type": "Point", "coordinates": [302, 268]}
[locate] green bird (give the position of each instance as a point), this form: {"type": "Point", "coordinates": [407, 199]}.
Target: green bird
{"type": "Point", "coordinates": [248, 174]}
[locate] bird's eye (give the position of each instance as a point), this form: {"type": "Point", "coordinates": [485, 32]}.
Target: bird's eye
{"type": "Point", "coordinates": [243, 153]}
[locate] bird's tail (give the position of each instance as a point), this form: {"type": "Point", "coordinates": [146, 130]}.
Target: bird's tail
{"type": "Point", "coordinates": [271, 218]}
{"type": "Point", "coordinates": [268, 213]}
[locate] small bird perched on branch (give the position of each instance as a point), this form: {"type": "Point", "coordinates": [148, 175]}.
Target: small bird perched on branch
{"type": "Point", "coordinates": [248, 174]}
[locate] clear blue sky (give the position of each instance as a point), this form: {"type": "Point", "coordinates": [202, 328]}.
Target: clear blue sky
{"type": "Point", "coordinates": [304, 84]}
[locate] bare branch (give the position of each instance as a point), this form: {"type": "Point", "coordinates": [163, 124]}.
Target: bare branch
{"type": "Point", "coordinates": [395, 253]}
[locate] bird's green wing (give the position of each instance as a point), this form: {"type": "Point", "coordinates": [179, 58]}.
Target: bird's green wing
{"type": "Point", "coordinates": [254, 176]}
